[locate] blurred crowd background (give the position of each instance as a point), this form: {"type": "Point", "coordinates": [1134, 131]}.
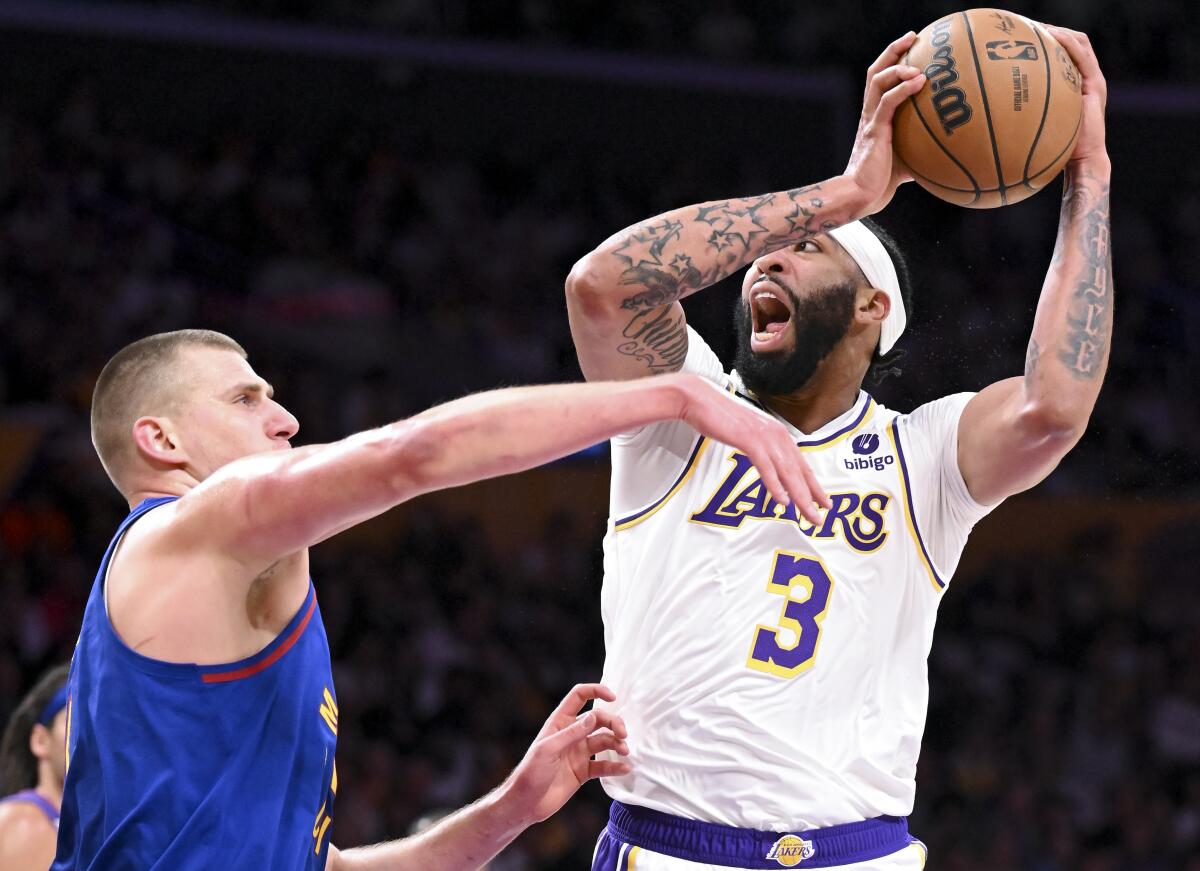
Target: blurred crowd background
{"type": "Point", "coordinates": [384, 229]}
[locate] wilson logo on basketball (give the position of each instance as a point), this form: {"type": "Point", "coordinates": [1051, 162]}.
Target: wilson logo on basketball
{"type": "Point", "coordinates": [791, 850]}
{"type": "Point", "coordinates": [949, 101]}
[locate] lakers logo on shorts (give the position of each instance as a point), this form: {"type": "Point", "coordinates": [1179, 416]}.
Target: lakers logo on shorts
{"type": "Point", "coordinates": [791, 850]}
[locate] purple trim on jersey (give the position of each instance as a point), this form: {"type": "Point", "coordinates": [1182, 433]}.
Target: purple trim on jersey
{"type": "Point", "coordinates": [690, 460]}
{"type": "Point", "coordinates": [29, 796]}
{"type": "Point", "coordinates": [858, 418]}
{"type": "Point", "coordinates": [751, 400]}
{"type": "Point", "coordinates": [912, 511]}
{"type": "Point", "coordinates": [814, 443]}
{"type": "Point", "coordinates": [713, 844]}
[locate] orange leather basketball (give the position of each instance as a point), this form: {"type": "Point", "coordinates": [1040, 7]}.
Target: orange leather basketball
{"type": "Point", "coordinates": [999, 113]}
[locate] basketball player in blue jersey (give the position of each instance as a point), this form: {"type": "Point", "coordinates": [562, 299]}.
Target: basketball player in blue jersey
{"type": "Point", "coordinates": [202, 715]}
{"type": "Point", "coordinates": [31, 774]}
{"type": "Point", "coordinates": [771, 667]}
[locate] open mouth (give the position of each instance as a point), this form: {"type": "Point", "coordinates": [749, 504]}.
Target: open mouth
{"type": "Point", "coordinates": [770, 313]}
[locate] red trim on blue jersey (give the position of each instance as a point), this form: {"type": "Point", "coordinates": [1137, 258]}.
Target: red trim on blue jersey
{"type": "Point", "coordinates": [273, 657]}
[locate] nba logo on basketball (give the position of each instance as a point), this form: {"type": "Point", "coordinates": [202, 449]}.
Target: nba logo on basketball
{"type": "Point", "coordinates": [791, 850]}
{"type": "Point", "coordinates": [866, 443]}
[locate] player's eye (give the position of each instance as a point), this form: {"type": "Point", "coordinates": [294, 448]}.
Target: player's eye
{"type": "Point", "coordinates": [800, 246]}
{"type": "Point", "coordinates": [243, 399]}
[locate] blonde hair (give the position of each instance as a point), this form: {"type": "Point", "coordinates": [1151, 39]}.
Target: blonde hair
{"type": "Point", "coordinates": [138, 381]}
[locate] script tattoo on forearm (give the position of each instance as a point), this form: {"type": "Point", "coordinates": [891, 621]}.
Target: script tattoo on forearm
{"type": "Point", "coordinates": [1089, 317]}
{"type": "Point", "coordinates": [656, 337]}
{"type": "Point", "coordinates": [658, 261]}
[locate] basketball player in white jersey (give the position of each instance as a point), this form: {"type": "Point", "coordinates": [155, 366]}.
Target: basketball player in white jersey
{"type": "Point", "coordinates": [772, 669]}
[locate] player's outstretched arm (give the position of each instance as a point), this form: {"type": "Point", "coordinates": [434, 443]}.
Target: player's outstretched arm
{"type": "Point", "coordinates": [557, 764]}
{"type": "Point", "coordinates": [267, 506]}
{"type": "Point", "coordinates": [1014, 433]}
{"type": "Point", "coordinates": [623, 297]}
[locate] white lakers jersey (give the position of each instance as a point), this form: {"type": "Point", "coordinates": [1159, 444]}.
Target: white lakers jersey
{"type": "Point", "coordinates": [773, 674]}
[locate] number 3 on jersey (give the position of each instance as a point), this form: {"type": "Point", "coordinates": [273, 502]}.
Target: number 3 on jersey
{"type": "Point", "coordinates": [802, 616]}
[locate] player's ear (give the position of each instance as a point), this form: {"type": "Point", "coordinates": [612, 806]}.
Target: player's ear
{"type": "Point", "coordinates": [872, 305]}
{"type": "Point", "coordinates": [39, 741]}
{"type": "Point", "coordinates": [157, 441]}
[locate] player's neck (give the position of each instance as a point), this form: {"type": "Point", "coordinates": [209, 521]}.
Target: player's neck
{"type": "Point", "coordinates": [177, 482]}
{"type": "Point", "coordinates": [830, 393]}
{"type": "Point", "coordinates": [48, 786]}
{"type": "Point", "coordinates": [809, 413]}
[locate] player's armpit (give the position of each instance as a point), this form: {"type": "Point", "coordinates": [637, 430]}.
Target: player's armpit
{"type": "Point", "coordinates": [1006, 444]}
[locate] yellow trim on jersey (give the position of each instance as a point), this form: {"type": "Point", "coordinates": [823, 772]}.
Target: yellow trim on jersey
{"type": "Point", "coordinates": [633, 854]}
{"type": "Point", "coordinates": [910, 521]}
{"type": "Point", "coordinates": [786, 622]}
{"type": "Point", "coordinates": [67, 754]}
{"type": "Point", "coordinates": [647, 513]}
{"type": "Point", "coordinates": [870, 413]}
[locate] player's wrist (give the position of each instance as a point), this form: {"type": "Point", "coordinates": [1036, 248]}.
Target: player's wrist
{"type": "Point", "coordinates": [1096, 166]}
{"type": "Point", "coordinates": [509, 808]}
{"type": "Point", "coordinates": [851, 197]}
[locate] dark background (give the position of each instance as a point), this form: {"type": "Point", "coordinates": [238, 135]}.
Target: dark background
{"type": "Point", "coordinates": [381, 201]}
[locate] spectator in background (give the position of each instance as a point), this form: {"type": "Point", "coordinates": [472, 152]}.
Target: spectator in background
{"type": "Point", "coordinates": [32, 765]}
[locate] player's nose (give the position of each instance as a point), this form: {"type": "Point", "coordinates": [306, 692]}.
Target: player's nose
{"type": "Point", "coordinates": [773, 263]}
{"type": "Point", "coordinates": [283, 424]}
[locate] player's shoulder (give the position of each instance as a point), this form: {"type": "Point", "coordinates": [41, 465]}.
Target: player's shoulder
{"type": "Point", "coordinates": [20, 819]}
{"type": "Point", "coordinates": [27, 837]}
{"type": "Point", "coordinates": [931, 417]}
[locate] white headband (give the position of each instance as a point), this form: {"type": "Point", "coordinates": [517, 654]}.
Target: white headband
{"type": "Point", "coordinates": [872, 258]}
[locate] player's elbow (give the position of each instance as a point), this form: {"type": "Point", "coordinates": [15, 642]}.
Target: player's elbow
{"type": "Point", "coordinates": [1054, 421]}
{"type": "Point", "coordinates": [418, 447]}
{"type": "Point", "coordinates": [589, 294]}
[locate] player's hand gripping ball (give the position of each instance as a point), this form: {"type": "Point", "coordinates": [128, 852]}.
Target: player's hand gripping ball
{"type": "Point", "coordinates": [999, 112]}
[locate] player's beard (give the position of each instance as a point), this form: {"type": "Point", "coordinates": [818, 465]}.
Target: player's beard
{"type": "Point", "coordinates": [819, 321]}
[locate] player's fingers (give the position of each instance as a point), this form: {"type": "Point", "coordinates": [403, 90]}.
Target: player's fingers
{"type": "Point", "coordinates": [890, 101]}
{"type": "Point", "coordinates": [791, 468]}
{"type": "Point", "coordinates": [603, 740]}
{"type": "Point", "coordinates": [609, 720]}
{"type": "Point", "coordinates": [814, 486]}
{"type": "Point", "coordinates": [802, 496]}
{"type": "Point", "coordinates": [766, 471]}
{"type": "Point", "coordinates": [580, 695]}
{"type": "Point", "coordinates": [808, 509]}
{"type": "Point", "coordinates": [1079, 48]}
{"type": "Point", "coordinates": [604, 768]}
{"type": "Point", "coordinates": [882, 82]}
{"type": "Point", "coordinates": [572, 734]}
{"type": "Point", "coordinates": [892, 53]}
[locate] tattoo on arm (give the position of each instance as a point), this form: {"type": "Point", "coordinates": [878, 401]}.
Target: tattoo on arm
{"type": "Point", "coordinates": [1032, 353]}
{"type": "Point", "coordinates": [658, 338]}
{"type": "Point", "coordinates": [1089, 317]}
{"type": "Point", "coordinates": [661, 264]}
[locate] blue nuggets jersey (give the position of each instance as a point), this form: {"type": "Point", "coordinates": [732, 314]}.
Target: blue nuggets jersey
{"type": "Point", "coordinates": [174, 767]}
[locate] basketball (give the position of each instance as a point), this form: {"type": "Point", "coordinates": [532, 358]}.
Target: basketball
{"type": "Point", "coordinates": [998, 116]}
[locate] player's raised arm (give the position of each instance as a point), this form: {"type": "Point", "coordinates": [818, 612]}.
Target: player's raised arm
{"type": "Point", "coordinates": [1014, 433]}
{"type": "Point", "coordinates": [272, 504]}
{"type": "Point", "coordinates": [623, 297]}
